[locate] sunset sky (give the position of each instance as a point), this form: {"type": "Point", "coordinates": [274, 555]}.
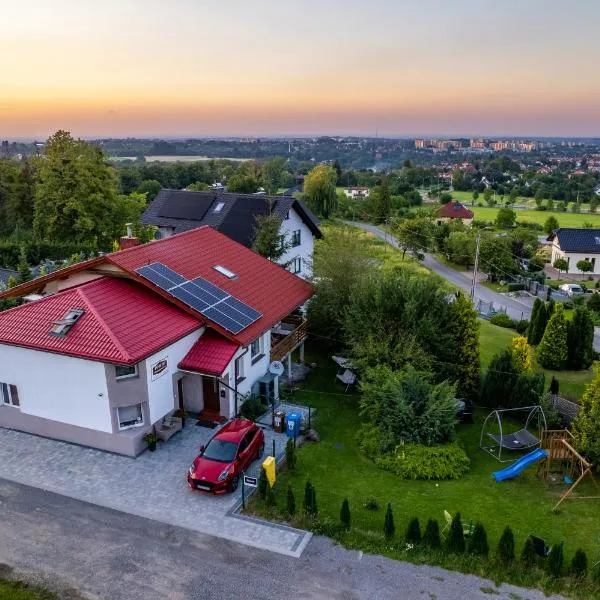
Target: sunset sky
{"type": "Point", "coordinates": [267, 67]}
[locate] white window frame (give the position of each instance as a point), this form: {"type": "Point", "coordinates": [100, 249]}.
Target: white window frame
{"type": "Point", "coordinates": [137, 423]}
{"type": "Point", "coordinates": [257, 347]}
{"type": "Point", "coordinates": [9, 395]}
{"type": "Point", "coordinates": [128, 375]}
{"type": "Point", "coordinates": [239, 367]}
{"type": "Point", "coordinates": [296, 238]}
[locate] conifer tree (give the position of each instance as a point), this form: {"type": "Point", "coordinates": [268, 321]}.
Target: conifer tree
{"type": "Point", "coordinates": [465, 347]}
{"type": "Point", "coordinates": [307, 504]}
{"type": "Point", "coordinates": [579, 564]}
{"type": "Point", "coordinates": [528, 553]}
{"type": "Point", "coordinates": [431, 537]}
{"type": "Point", "coordinates": [506, 546]}
{"type": "Point", "coordinates": [270, 496]}
{"type": "Point", "coordinates": [290, 454]}
{"type": "Point", "coordinates": [533, 320]}
{"type": "Point", "coordinates": [413, 531]}
{"type": "Point", "coordinates": [478, 543]}
{"type": "Point", "coordinates": [456, 536]}
{"type": "Point", "coordinates": [388, 525]}
{"type": "Point", "coordinates": [291, 501]}
{"type": "Point", "coordinates": [263, 483]}
{"type": "Point", "coordinates": [555, 560]}
{"type": "Point", "coordinates": [538, 327]}
{"type": "Point", "coordinates": [580, 339]}
{"type": "Point", "coordinates": [345, 514]}
{"type": "Point", "coordinates": [552, 352]}
{"type": "Point", "coordinates": [586, 426]}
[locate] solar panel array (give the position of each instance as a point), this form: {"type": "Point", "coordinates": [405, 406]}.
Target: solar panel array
{"type": "Point", "coordinates": [203, 296]}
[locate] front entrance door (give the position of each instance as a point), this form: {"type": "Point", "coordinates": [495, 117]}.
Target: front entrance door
{"type": "Point", "coordinates": [211, 394]}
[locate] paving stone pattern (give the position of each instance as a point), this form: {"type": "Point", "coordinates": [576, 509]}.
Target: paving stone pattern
{"type": "Point", "coordinates": [153, 485]}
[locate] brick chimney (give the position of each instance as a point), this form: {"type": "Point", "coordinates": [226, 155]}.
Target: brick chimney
{"type": "Point", "coordinates": [128, 241]}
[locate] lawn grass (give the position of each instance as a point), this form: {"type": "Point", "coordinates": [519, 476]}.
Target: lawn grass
{"type": "Point", "coordinates": [494, 339]}
{"type": "Point", "coordinates": [565, 219]}
{"type": "Point", "coordinates": [467, 197]}
{"type": "Point", "coordinates": [15, 590]}
{"type": "Point", "coordinates": [338, 470]}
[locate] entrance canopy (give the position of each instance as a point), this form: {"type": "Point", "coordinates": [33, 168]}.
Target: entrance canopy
{"type": "Point", "coordinates": [210, 355]}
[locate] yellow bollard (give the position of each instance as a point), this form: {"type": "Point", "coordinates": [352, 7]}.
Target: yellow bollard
{"type": "Point", "coordinates": [269, 467]}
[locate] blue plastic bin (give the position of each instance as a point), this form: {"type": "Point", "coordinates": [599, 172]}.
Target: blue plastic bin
{"type": "Point", "coordinates": [293, 421]}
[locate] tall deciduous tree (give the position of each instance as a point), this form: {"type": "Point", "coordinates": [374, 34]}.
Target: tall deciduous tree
{"type": "Point", "coordinates": [414, 235]}
{"type": "Point", "coordinates": [319, 190]}
{"type": "Point", "coordinates": [506, 218]}
{"type": "Point", "coordinates": [381, 201]}
{"type": "Point", "coordinates": [464, 328]}
{"type": "Point", "coordinates": [552, 352]}
{"type": "Point", "coordinates": [586, 426]}
{"type": "Point", "coordinates": [76, 192]}
{"type": "Point", "coordinates": [272, 174]}
{"type": "Point", "coordinates": [551, 224]}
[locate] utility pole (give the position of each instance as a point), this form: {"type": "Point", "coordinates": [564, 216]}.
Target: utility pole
{"type": "Point", "coordinates": [473, 283]}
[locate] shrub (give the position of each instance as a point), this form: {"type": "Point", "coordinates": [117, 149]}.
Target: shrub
{"type": "Point", "coordinates": [291, 501]}
{"type": "Point", "coordinates": [413, 531]}
{"type": "Point", "coordinates": [555, 560]}
{"type": "Point", "coordinates": [263, 483]}
{"type": "Point", "coordinates": [522, 326]}
{"type": "Point", "coordinates": [345, 514]}
{"type": "Point", "coordinates": [506, 546]}
{"type": "Point", "coordinates": [502, 320]}
{"type": "Point", "coordinates": [290, 454]}
{"type": "Point", "coordinates": [413, 461]}
{"type": "Point", "coordinates": [516, 287]}
{"type": "Point", "coordinates": [368, 438]}
{"type": "Point", "coordinates": [553, 389]}
{"type": "Point", "coordinates": [456, 536]}
{"type": "Point", "coordinates": [252, 408]}
{"type": "Point", "coordinates": [388, 524]}
{"type": "Point", "coordinates": [579, 564]}
{"type": "Point", "coordinates": [371, 504]}
{"type": "Point", "coordinates": [528, 555]}
{"type": "Point", "coordinates": [270, 496]}
{"type": "Point", "coordinates": [310, 500]}
{"type": "Point", "coordinates": [478, 543]}
{"type": "Point", "coordinates": [520, 352]}
{"type": "Point", "coordinates": [586, 426]}
{"type": "Point", "coordinates": [431, 537]}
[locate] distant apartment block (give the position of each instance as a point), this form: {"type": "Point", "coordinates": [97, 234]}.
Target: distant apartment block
{"type": "Point", "coordinates": [357, 192]}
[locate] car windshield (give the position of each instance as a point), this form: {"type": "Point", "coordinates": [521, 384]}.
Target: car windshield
{"type": "Point", "coordinates": [220, 451]}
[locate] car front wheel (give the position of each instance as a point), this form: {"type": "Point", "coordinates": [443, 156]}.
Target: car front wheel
{"type": "Point", "coordinates": [234, 483]}
{"type": "Point", "coordinates": [261, 451]}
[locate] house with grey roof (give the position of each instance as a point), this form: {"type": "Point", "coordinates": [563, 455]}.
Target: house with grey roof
{"type": "Point", "coordinates": [575, 245]}
{"type": "Point", "coordinates": [5, 275]}
{"type": "Point", "coordinates": [176, 211]}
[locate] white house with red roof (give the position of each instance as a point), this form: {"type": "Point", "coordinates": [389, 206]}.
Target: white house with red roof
{"type": "Point", "coordinates": [453, 211]}
{"type": "Point", "coordinates": [120, 342]}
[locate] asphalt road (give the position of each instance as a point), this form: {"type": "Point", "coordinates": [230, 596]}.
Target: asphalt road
{"type": "Point", "coordinates": [515, 308]}
{"type": "Point", "coordinates": [112, 555]}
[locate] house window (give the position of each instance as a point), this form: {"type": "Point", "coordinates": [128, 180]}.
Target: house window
{"type": "Point", "coordinates": [219, 206]}
{"type": "Point", "coordinates": [296, 238]}
{"type": "Point", "coordinates": [130, 416]}
{"type": "Point", "coordinates": [239, 368]}
{"type": "Point", "coordinates": [256, 348]}
{"type": "Point", "coordinates": [287, 215]}
{"type": "Point", "coordinates": [9, 394]}
{"type": "Point", "coordinates": [63, 326]}
{"type": "Point", "coordinates": [593, 264]}
{"type": "Point", "coordinates": [296, 265]}
{"type": "Point", "coordinates": [229, 274]}
{"type": "Point", "coordinates": [125, 372]}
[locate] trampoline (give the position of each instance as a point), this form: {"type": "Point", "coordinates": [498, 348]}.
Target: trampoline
{"type": "Point", "coordinates": [521, 439]}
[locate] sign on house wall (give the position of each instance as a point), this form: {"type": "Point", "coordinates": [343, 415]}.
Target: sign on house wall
{"type": "Point", "coordinates": [159, 368]}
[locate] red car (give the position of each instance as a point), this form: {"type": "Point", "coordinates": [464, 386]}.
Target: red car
{"type": "Point", "coordinates": [219, 465]}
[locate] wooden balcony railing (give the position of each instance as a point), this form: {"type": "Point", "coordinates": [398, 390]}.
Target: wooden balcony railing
{"type": "Point", "coordinates": [291, 341]}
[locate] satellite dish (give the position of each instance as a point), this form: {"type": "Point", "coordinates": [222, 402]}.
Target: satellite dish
{"type": "Point", "coordinates": [276, 368]}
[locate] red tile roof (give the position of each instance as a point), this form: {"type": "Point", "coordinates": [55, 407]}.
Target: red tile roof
{"type": "Point", "coordinates": [210, 354]}
{"type": "Point", "coordinates": [264, 285]}
{"type": "Point", "coordinates": [455, 210]}
{"type": "Point", "coordinates": [122, 323]}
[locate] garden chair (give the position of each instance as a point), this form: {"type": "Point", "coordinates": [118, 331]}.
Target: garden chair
{"type": "Point", "coordinates": [539, 546]}
{"type": "Point", "coordinates": [468, 527]}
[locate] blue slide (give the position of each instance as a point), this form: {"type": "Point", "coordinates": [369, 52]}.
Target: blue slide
{"type": "Point", "coordinates": [518, 466]}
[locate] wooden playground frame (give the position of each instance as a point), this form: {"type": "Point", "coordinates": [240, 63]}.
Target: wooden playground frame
{"type": "Point", "coordinates": [557, 442]}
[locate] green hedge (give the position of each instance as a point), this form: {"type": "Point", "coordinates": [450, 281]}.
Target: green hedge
{"type": "Point", "coordinates": [426, 462]}
{"type": "Point", "coordinates": [502, 320]}
{"type": "Point", "coordinates": [40, 251]}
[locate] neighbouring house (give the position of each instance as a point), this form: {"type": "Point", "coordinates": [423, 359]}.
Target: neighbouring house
{"type": "Point", "coordinates": [575, 245]}
{"type": "Point", "coordinates": [453, 211]}
{"type": "Point", "coordinates": [597, 190]}
{"type": "Point", "coordinates": [357, 192]}
{"type": "Point", "coordinates": [5, 275]}
{"type": "Point", "coordinates": [175, 211]}
{"type": "Point", "coordinates": [117, 343]}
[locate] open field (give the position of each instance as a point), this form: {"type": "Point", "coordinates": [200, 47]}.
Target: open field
{"type": "Point", "coordinates": [176, 158]}
{"type": "Point", "coordinates": [338, 470]}
{"type": "Point", "coordinates": [467, 197]}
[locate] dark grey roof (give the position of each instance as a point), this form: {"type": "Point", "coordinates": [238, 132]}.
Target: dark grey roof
{"type": "Point", "coordinates": [183, 210]}
{"type": "Point", "coordinates": [5, 274]}
{"type": "Point", "coordinates": [578, 240]}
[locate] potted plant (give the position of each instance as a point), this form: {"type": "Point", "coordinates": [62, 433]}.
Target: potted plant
{"type": "Point", "coordinates": [151, 439]}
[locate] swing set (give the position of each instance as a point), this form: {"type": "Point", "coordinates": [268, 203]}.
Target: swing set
{"type": "Point", "coordinates": [563, 457]}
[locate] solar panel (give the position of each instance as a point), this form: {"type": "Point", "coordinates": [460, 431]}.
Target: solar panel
{"type": "Point", "coordinates": [203, 296]}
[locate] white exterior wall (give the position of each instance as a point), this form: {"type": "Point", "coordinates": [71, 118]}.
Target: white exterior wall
{"type": "Point", "coordinates": [57, 387]}
{"type": "Point", "coordinates": [306, 247]}
{"type": "Point", "coordinates": [161, 393]}
{"type": "Point", "coordinates": [252, 372]}
{"type": "Point", "coordinates": [573, 258]}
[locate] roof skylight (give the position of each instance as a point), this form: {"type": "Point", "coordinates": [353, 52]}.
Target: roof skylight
{"type": "Point", "coordinates": [229, 274]}
{"type": "Point", "coordinates": [219, 206]}
{"type": "Point", "coordinates": [63, 326]}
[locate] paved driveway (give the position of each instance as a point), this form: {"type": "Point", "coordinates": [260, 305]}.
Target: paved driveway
{"type": "Point", "coordinates": [153, 485]}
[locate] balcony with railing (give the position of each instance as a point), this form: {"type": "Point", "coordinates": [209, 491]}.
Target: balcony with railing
{"type": "Point", "coordinates": [287, 335]}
